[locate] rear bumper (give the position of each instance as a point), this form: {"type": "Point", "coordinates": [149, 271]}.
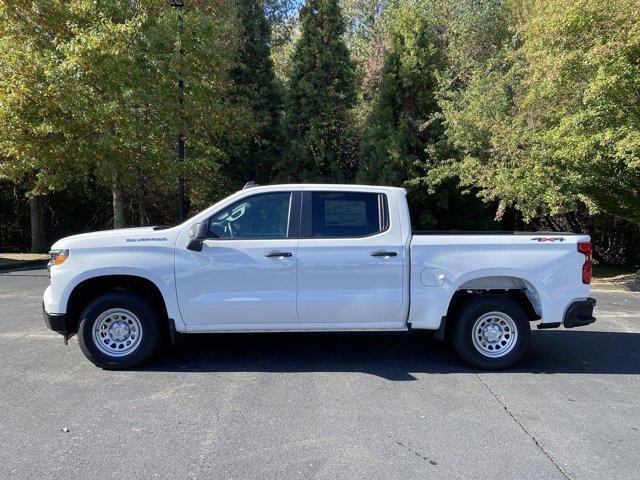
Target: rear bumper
{"type": "Point", "coordinates": [580, 313]}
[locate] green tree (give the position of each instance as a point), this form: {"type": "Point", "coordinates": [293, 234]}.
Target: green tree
{"type": "Point", "coordinates": [320, 94]}
{"type": "Point", "coordinates": [367, 39]}
{"type": "Point", "coordinates": [90, 87]}
{"type": "Point", "coordinates": [404, 122]}
{"type": "Point", "coordinates": [363, 19]}
{"type": "Point", "coordinates": [35, 124]}
{"type": "Point", "coordinates": [282, 17]}
{"type": "Point", "coordinates": [403, 131]}
{"type": "Point", "coordinates": [405, 137]}
{"type": "Point", "coordinates": [254, 85]}
{"type": "Point", "coordinates": [551, 119]}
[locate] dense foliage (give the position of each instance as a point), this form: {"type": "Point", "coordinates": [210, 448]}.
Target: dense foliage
{"type": "Point", "coordinates": [404, 134]}
{"type": "Point", "coordinates": [494, 114]}
{"type": "Point", "coordinates": [254, 84]}
{"type": "Point", "coordinates": [87, 94]}
{"type": "Point", "coordinates": [320, 93]}
{"type": "Point", "coordinates": [551, 118]}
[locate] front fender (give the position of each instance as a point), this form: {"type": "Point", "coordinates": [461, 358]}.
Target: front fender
{"type": "Point", "coordinates": [151, 263]}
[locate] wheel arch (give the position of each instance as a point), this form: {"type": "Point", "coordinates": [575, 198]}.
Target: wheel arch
{"type": "Point", "coordinates": [87, 290]}
{"type": "Point", "coordinates": [516, 287]}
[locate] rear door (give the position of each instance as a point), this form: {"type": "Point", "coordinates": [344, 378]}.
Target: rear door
{"type": "Point", "coordinates": [350, 261]}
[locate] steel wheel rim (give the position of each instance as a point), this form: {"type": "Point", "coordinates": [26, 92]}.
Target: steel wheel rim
{"type": "Point", "coordinates": [117, 332]}
{"type": "Point", "coordinates": [494, 334]}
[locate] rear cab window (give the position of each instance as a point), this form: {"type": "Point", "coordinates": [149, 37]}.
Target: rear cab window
{"type": "Point", "coordinates": [344, 214]}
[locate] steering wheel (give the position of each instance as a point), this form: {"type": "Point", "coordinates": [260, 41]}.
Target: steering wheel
{"type": "Point", "coordinates": [219, 230]}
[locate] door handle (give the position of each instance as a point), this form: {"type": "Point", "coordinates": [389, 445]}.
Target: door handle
{"type": "Point", "coordinates": [278, 254]}
{"type": "Point", "coordinates": [382, 253]}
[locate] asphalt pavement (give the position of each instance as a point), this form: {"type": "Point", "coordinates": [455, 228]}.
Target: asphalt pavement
{"type": "Point", "coordinates": [322, 406]}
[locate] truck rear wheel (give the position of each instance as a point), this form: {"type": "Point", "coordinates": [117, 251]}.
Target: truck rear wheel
{"type": "Point", "coordinates": [491, 332]}
{"type": "Point", "coordinates": [119, 330]}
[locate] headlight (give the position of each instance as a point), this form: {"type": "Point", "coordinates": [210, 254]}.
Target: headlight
{"type": "Point", "coordinates": [57, 257]}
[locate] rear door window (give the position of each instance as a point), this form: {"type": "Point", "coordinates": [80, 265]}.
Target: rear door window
{"type": "Point", "coordinates": [347, 214]}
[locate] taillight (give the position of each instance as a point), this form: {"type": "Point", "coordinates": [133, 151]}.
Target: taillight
{"type": "Point", "coordinates": [586, 249]}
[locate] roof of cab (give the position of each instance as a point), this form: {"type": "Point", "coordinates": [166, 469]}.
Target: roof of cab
{"type": "Point", "coordinates": [328, 186]}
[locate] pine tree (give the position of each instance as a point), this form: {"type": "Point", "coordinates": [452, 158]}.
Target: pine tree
{"type": "Point", "coordinates": [405, 136]}
{"type": "Point", "coordinates": [254, 85]}
{"type": "Point", "coordinates": [403, 123]}
{"type": "Point", "coordinates": [320, 95]}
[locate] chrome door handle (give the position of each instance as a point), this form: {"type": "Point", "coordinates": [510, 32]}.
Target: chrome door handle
{"type": "Point", "coordinates": [382, 253]}
{"type": "Point", "coordinates": [278, 254]}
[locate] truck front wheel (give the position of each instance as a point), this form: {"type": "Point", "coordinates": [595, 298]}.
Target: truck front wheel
{"type": "Point", "coordinates": [119, 330]}
{"type": "Point", "coordinates": [491, 332]}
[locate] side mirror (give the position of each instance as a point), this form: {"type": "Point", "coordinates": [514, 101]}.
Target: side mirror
{"type": "Point", "coordinates": [197, 234]}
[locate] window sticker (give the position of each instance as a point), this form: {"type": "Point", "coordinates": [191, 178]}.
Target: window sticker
{"type": "Point", "coordinates": [345, 213]}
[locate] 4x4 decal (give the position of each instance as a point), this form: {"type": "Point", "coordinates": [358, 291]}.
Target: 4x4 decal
{"type": "Point", "coordinates": [549, 239]}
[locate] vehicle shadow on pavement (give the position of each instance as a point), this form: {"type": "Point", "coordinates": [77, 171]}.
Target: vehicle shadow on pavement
{"type": "Point", "coordinates": [393, 356]}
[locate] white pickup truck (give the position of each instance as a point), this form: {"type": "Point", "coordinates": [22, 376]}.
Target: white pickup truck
{"type": "Point", "coordinates": [314, 258]}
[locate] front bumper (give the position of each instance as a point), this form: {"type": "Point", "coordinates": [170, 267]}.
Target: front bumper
{"type": "Point", "coordinates": [58, 322]}
{"type": "Point", "coordinates": [580, 313]}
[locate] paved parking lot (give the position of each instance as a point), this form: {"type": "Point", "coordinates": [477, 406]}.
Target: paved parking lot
{"type": "Point", "coordinates": [327, 406]}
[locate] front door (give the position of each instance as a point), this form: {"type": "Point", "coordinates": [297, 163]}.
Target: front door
{"type": "Point", "coordinates": [245, 274]}
{"type": "Point", "coordinates": [350, 263]}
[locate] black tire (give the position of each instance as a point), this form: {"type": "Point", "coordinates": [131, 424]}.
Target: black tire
{"type": "Point", "coordinates": [463, 332]}
{"type": "Point", "coordinates": [149, 338]}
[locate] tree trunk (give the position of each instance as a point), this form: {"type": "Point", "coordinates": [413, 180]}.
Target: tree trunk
{"type": "Point", "coordinates": [37, 225]}
{"type": "Point", "coordinates": [141, 194]}
{"type": "Point", "coordinates": [118, 198]}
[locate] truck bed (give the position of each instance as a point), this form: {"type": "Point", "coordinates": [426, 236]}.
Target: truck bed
{"type": "Point", "coordinates": [546, 266]}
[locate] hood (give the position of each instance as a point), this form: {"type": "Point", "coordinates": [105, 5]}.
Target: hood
{"type": "Point", "coordinates": [120, 237]}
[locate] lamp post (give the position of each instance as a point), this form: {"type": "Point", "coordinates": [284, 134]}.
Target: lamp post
{"type": "Point", "coordinates": [179, 5]}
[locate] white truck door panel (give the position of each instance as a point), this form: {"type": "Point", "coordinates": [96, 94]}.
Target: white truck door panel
{"type": "Point", "coordinates": [233, 282]}
{"type": "Point", "coordinates": [347, 273]}
{"type": "Point", "coordinates": [246, 276]}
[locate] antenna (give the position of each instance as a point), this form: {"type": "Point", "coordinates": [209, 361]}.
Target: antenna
{"type": "Point", "coordinates": [250, 184]}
